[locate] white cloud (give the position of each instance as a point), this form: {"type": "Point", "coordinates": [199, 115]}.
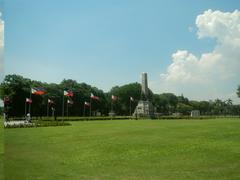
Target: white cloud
{"type": "Point", "coordinates": [1, 31]}
{"type": "Point", "coordinates": [213, 74]}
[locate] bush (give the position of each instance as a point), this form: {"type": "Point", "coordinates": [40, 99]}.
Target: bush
{"type": "Point", "coordinates": [38, 124]}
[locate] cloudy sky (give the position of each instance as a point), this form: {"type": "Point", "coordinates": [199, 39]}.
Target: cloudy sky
{"type": "Point", "coordinates": [186, 47]}
{"type": "Point", "coordinates": [1, 41]}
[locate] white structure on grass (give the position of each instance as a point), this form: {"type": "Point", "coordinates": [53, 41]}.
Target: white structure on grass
{"type": "Point", "coordinates": [195, 113]}
{"type": "Point", "coordinates": [144, 107]}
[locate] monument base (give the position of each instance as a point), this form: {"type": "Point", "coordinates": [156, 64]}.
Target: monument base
{"type": "Point", "coordinates": [144, 109]}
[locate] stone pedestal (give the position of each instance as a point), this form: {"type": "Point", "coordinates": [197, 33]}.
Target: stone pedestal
{"type": "Point", "coordinates": [144, 109]}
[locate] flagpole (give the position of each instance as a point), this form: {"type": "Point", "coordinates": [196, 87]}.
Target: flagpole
{"type": "Point", "coordinates": [63, 109]}
{"type": "Point", "coordinates": [130, 107]}
{"type": "Point", "coordinates": [84, 109]}
{"type": "Point", "coordinates": [90, 106]}
{"type": "Point", "coordinates": [111, 109]}
{"type": "Point", "coordinates": [47, 108]}
{"type": "Point", "coordinates": [111, 106]}
{"type": "Point", "coordinates": [67, 109]}
{"type": "Point", "coordinates": [29, 107]}
{"type": "Point", "coordinates": [25, 109]}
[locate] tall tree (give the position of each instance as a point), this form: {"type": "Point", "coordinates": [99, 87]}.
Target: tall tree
{"type": "Point", "coordinates": [184, 108]}
{"type": "Point", "coordinates": [165, 103]}
{"type": "Point", "coordinates": [121, 106]}
{"type": "Point", "coordinates": [238, 91]}
{"type": "Point", "coordinates": [17, 89]}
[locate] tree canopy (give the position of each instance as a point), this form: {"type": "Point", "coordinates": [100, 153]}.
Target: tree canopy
{"type": "Point", "coordinates": [17, 89]}
{"type": "Point", "coordinates": [238, 91]}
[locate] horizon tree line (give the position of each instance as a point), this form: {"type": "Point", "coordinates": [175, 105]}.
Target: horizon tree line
{"type": "Point", "coordinates": [16, 88]}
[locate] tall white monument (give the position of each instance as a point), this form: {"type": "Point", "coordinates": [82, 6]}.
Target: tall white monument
{"type": "Point", "coordinates": [144, 108]}
{"type": "Point", "coordinates": [144, 93]}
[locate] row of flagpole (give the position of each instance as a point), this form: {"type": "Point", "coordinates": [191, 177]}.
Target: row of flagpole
{"type": "Point", "coordinates": [40, 91]}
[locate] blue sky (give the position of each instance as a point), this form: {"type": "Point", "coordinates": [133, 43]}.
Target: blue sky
{"type": "Point", "coordinates": [103, 43]}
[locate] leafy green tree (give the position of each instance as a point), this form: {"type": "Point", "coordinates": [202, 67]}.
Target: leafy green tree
{"type": "Point", "coordinates": [171, 102]}
{"type": "Point", "coordinates": [121, 106]}
{"type": "Point", "coordinates": [238, 91]}
{"type": "Point", "coordinates": [195, 104]}
{"type": "Point", "coordinates": [235, 110]}
{"type": "Point", "coordinates": [1, 110]}
{"type": "Point", "coordinates": [219, 107]}
{"type": "Point", "coordinates": [184, 108]}
{"type": "Point", "coordinates": [160, 103]}
{"type": "Point", "coordinates": [82, 93]}
{"type": "Point", "coordinates": [182, 99]}
{"type": "Point", "coordinates": [165, 103]}
{"type": "Point", "coordinates": [17, 89]}
{"type": "Point", "coordinates": [228, 106]}
{"type": "Point", "coordinates": [204, 107]}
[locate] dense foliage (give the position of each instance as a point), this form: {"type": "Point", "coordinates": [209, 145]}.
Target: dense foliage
{"type": "Point", "coordinates": [17, 89]}
{"type": "Point", "coordinates": [238, 91]}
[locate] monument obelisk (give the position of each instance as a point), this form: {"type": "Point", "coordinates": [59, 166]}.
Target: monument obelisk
{"type": "Point", "coordinates": [144, 108]}
{"type": "Point", "coordinates": [144, 92]}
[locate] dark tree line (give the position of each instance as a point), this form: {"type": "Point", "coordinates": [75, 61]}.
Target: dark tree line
{"type": "Point", "coordinates": [238, 91]}
{"type": "Point", "coordinates": [17, 89]}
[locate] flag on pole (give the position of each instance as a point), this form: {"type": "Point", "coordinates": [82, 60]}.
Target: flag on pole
{"type": "Point", "coordinates": [69, 101]}
{"type": "Point", "coordinates": [38, 91]}
{"type": "Point", "coordinates": [28, 100]}
{"type": "Point", "coordinates": [86, 104]}
{"type": "Point", "coordinates": [131, 99]}
{"type": "Point", "coordinates": [50, 101]}
{"type": "Point", "coordinates": [114, 98]}
{"type": "Point", "coordinates": [94, 97]}
{"type": "Point", "coordinates": [6, 99]}
{"type": "Point", "coordinates": [68, 93]}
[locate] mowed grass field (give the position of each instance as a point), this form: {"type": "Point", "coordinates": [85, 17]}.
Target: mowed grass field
{"type": "Point", "coordinates": [127, 149]}
{"type": "Point", "coordinates": [1, 148]}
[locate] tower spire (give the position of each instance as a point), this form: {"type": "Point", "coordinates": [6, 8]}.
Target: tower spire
{"type": "Point", "coordinates": [144, 91]}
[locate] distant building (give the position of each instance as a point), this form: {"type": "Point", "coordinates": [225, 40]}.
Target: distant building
{"type": "Point", "coordinates": [177, 114]}
{"type": "Point", "coordinates": [111, 113]}
{"type": "Point", "coordinates": [195, 113]}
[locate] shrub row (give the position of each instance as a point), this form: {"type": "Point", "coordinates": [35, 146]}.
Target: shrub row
{"type": "Point", "coordinates": [77, 118]}
{"type": "Point", "coordinates": [38, 124]}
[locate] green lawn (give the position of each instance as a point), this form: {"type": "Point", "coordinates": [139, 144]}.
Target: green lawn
{"type": "Point", "coordinates": [130, 149]}
{"type": "Point", "coordinates": [1, 148]}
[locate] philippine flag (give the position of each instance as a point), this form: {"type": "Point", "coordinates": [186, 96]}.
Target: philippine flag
{"type": "Point", "coordinates": [69, 101]}
{"type": "Point", "coordinates": [38, 91]}
{"type": "Point", "coordinates": [68, 93]}
{"type": "Point", "coordinates": [50, 101]}
{"type": "Point", "coordinates": [94, 97]}
{"type": "Point", "coordinates": [114, 98]}
{"type": "Point", "coordinates": [86, 104]}
{"type": "Point", "coordinates": [28, 100]}
{"type": "Point", "coordinates": [6, 99]}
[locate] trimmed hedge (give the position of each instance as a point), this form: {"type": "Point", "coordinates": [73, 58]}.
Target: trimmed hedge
{"type": "Point", "coordinates": [93, 118]}
{"type": "Point", "coordinates": [38, 124]}
{"type": "Point", "coordinates": [59, 119]}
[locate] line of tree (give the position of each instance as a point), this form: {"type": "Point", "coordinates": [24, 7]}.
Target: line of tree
{"type": "Point", "coordinates": [17, 89]}
{"type": "Point", "coordinates": [238, 91]}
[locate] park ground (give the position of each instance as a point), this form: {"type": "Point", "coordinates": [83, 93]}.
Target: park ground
{"type": "Point", "coordinates": [1, 148]}
{"type": "Point", "coordinates": [125, 149]}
